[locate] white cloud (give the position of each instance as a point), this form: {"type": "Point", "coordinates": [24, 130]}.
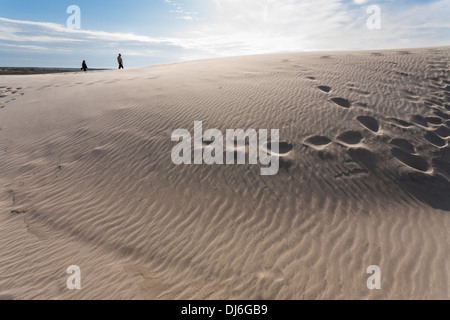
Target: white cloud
{"type": "Point", "coordinates": [360, 1]}
{"type": "Point", "coordinates": [260, 26]}
{"type": "Point", "coordinates": [52, 32]}
{"type": "Point", "coordinates": [181, 13]}
{"type": "Point", "coordinates": [238, 27]}
{"type": "Point", "coordinates": [22, 47]}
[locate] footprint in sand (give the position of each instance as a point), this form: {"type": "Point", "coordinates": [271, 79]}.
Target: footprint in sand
{"type": "Point", "coordinates": [324, 88]}
{"type": "Point", "coordinates": [318, 142]}
{"type": "Point", "coordinates": [417, 119]}
{"type": "Point", "coordinates": [443, 132]}
{"type": "Point", "coordinates": [369, 123]}
{"type": "Point", "coordinates": [364, 157]}
{"type": "Point", "coordinates": [344, 103]}
{"type": "Point", "coordinates": [441, 115]}
{"type": "Point", "coordinates": [283, 148]}
{"type": "Point", "coordinates": [404, 145]}
{"type": "Point", "coordinates": [433, 120]}
{"type": "Point", "coordinates": [8, 92]}
{"type": "Point", "coordinates": [441, 161]}
{"type": "Point", "coordinates": [208, 142]}
{"type": "Point", "coordinates": [350, 137]}
{"type": "Point", "coordinates": [435, 140]}
{"type": "Point", "coordinates": [406, 155]}
{"type": "Point", "coordinates": [402, 123]}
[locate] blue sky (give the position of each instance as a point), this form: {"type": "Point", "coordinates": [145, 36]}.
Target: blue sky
{"type": "Point", "coordinates": [34, 33]}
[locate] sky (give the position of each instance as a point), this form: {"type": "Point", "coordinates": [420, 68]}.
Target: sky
{"type": "Point", "coordinates": [40, 33]}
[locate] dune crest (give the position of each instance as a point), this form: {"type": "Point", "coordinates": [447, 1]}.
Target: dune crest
{"type": "Point", "coordinates": [364, 179]}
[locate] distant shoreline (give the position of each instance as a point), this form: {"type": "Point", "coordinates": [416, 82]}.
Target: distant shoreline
{"type": "Point", "coordinates": [30, 70]}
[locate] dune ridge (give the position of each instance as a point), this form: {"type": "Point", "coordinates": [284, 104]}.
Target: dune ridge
{"type": "Point", "coordinates": [87, 179]}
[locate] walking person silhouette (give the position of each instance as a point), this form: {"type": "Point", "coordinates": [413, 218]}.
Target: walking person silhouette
{"type": "Point", "coordinates": [120, 61]}
{"type": "Point", "coordinates": [84, 66]}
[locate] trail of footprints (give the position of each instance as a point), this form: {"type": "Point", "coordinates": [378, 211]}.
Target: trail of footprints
{"type": "Point", "coordinates": [342, 102]}
{"type": "Point", "coordinates": [401, 149]}
{"type": "Point", "coordinates": [352, 141]}
{"type": "Point", "coordinates": [436, 126]}
{"type": "Point", "coordinates": [8, 94]}
{"type": "Point", "coordinates": [284, 151]}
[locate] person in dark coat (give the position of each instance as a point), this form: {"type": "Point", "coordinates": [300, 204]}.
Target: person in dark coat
{"type": "Point", "coordinates": [120, 61]}
{"type": "Point", "coordinates": [84, 66]}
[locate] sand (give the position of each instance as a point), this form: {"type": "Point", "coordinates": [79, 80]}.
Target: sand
{"type": "Point", "coordinates": [86, 179]}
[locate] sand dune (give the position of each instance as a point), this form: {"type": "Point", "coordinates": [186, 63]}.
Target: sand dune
{"type": "Point", "coordinates": [87, 179]}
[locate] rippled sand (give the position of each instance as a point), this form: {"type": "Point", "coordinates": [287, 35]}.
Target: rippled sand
{"type": "Point", "coordinates": [87, 179]}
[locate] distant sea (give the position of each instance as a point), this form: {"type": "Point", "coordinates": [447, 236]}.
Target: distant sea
{"type": "Point", "coordinates": [31, 70]}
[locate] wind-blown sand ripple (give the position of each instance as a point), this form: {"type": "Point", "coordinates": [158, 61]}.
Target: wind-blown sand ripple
{"type": "Point", "coordinates": [87, 179]}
